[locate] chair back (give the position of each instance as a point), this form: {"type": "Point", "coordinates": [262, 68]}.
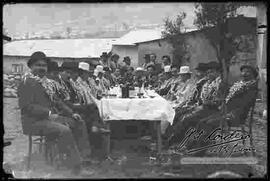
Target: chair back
{"type": "Point", "coordinates": [249, 118]}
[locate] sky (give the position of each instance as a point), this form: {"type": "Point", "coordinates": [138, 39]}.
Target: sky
{"type": "Point", "coordinates": [23, 18]}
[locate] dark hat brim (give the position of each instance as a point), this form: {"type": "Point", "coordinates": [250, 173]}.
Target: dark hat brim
{"type": "Point", "coordinates": [201, 67]}
{"type": "Point", "coordinates": [126, 60]}
{"type": "Point", "coordinates": [31, 61]}
{"type": "Point", "coordinates": [213, 65]}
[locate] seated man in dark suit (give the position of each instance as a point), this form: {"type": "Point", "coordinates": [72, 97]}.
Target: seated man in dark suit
{"type": "Point", "coordinates": [40, 116]}
{"type": "Point", "coordinates": [242, 95]}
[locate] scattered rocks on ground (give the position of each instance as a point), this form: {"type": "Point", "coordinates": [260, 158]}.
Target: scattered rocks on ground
{"type": "Point", "coordinates": [11, 83]}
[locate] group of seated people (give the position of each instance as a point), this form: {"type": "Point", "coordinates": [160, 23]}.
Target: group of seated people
{"type": "Point", "coordinates": [62, 102]}
{"type": "Point", "coordinates": [199, 103]}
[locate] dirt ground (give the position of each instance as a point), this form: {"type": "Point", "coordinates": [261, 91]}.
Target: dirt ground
{"type": "Point", "coordinates": [126, 164]}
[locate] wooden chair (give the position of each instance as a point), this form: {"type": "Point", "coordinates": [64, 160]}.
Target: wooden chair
{"type": "Point", "coordinates": [247, 126]}
{"type": "Point", "coordinates": [46, 147]}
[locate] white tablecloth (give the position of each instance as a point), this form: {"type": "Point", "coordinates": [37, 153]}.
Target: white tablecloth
{"type": "Point", "coordinates": [151, 109]}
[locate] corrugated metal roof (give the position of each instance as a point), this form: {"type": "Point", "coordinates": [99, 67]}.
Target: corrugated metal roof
{"type": "Point", "coordinates": [137, 36]}
{"type": "Point", "coordinates": [72, 48]}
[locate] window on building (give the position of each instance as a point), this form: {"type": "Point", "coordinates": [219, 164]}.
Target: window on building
{"type": "Point", "coordinates": [17, 68]}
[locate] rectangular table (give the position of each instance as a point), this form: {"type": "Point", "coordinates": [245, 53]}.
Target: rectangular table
{"type": "Point", "coordinates": [155, 109]}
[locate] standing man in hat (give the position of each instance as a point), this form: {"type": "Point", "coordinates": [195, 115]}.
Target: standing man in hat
{"type": "Point", "coordinates": [114, 62]}
{"type": "Point", "coordinates": [38, 114]}
{"type": "Point", "coordinates": [104, 60]}
{"type": "Point", "coordinates": [146, 61]}
{"type": "Point", "coordinates": [166, 60]}
{"type": "Point", "coordinates": [158, 66]}
{"type": "Point", "coordinates": [125, 65]}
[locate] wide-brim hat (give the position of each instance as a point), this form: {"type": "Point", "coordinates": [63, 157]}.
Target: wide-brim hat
{"type": "Point", "coordinates": [84, 66]}
{"type": "Point", "coordinates": [213, 65]}
{"type": "Point", "coordinates": [253, 69]}
{"type": "Point", "coordinates": [100, 68]}
{"type": "Point", "coordinates": [37, 56]}
{"type": "Point", "coordinates": [167, 68]}
{"type": "Point", "coordinates": [74, 66]}
{"type": "Point", "coordinates": [95, 72]}
{"type": "Point", "coordinates": [201, 67]}
{"type": "Point", "coordinates": [140, 69]}
{"type": "Point", "coordinates": [184, 70]}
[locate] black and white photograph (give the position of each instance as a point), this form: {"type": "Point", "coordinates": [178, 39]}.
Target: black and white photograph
{"type": "Point", "coordinates": [134, 90]}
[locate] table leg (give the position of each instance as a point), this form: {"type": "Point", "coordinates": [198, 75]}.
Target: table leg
{"type": "Point", "coordinates": [159, 140]}
{"type": "Point", "coordinates": [108, 139]}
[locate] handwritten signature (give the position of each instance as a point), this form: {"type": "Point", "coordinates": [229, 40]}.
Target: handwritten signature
{"type": "Point", "coordinates": [222, 142]}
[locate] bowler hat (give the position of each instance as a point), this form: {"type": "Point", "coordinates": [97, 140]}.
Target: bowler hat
{"type": "Point", "coordinates": [84, 66]}
{"type": "Point", "coordinates": [37, 56]}
{"type": "Point", "coordinates": [255, 72]}
{"type": "Point", "coordinates": [70, 66]}
{"type": "Point", "coordinates": [213, 65]}
{"type": "Point", "coordinates": [100, 68]}
{"type": "Point", "coordinates": [201, 67]}
{"type": "Point", "coordinates": [184, 70]}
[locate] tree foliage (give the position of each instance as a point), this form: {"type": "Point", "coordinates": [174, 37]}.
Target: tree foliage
{"type": "Point", "coordinates": [216, 15]}
{"type": "Point", "coordinates": [173, 31]}
{"type": "Point", "coordinates": [213, 14]}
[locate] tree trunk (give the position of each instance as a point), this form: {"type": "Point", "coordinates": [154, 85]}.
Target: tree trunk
{"type": "Point", "coordinates": [225, 71]}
